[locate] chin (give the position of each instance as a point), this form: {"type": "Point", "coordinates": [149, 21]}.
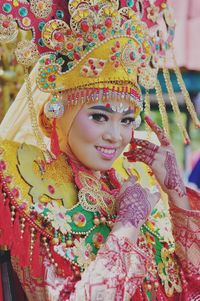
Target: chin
{"type": "Point", "coordinates": [102, 165]}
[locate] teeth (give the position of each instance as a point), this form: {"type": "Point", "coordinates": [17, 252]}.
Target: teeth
{"type": "Point", "coordinates": [105, 150]}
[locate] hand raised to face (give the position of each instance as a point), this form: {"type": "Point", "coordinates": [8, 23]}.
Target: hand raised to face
{"type": "Point", "coordinates": [135, 203]}
{"type": "Point", "coordinates": [161, 159]}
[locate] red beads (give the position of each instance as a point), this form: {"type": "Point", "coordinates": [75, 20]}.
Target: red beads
{"type": "Point", "coordinates": [132, 56]}
{"type": "Point", "coordinates": [117, 44]}
{"type": "Point", "coordinates": [59, 36]}
{"type": "Point", "coordinates": [2, 165]}
{"type": "Point", "coordinates": [68, 32]}
{"type": "Point", "coordinates": [90, 38]}
{"type": "Point", "coordinates": [77, 56]}
{"type": "Point", "coordinates": [117, 64]}
{"type": "Point", "coordinates": [128, 31]}
{"type": "Point", "coordinates": [108, 22]}
{"type": "Point", "coordinates": [47, 61]}
{"type": "Point", "coordinates": [101, 63]}
{"type": "Point", "coordinates": [57, 48]}
{"type": "Point", "coordinates": [52, 78]}
{"type": "Point", "coordinates": [51, 189]}
{"type": "Point", "coordinates": [6, 24]}
{"type": "Point", "coordinates": [84, 26]}
{"type": "Point", "coordinates": [15, 192]}
{"type": "Point", "coordinates": [85, 70]}
{"type": "Point", "coordinates": [90, 61]}
{"type": "Point", "coordinates": [70, 46]}
{"type": "Point", "coordinates": [101, 36]}
{"type": "Point", "coordinates": [113, 57]}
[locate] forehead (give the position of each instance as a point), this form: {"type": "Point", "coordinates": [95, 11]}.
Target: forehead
{"type": "Point", "coordinates": [110, 103]}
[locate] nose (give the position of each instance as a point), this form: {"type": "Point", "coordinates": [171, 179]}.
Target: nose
{"type": "Point", "coordinates": [113, 133]}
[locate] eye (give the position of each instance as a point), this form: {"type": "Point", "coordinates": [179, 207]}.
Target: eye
{"type": "Point", "coordinates": [127, 120]}
{"type": "Point", "coordinates": [98, 117]}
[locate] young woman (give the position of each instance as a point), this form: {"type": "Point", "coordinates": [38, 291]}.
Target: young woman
{"type": "Point", "coordinates": [76, 229]}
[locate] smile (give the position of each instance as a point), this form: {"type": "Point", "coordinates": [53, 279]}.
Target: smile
{"type": "Point", "coordinates": [105, 152]}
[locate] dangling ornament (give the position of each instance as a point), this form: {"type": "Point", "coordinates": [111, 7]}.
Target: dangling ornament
{"type": "Point", "coordinates": [55, 148]}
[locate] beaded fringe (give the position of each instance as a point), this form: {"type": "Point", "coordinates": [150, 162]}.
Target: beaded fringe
{"type": "Point", "coordinates": [174, 104]}
{"type": "Point", "coordinates": [24, 239]}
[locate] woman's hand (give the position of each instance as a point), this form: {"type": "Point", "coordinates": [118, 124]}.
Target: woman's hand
{"type": "Point", "coordinates": [134, 205]}
{"type": "Point", "coordinates": [162, 160]}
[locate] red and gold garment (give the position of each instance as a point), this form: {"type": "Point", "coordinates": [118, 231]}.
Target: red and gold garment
{"type": "Point", "coordinates": [56, 219]}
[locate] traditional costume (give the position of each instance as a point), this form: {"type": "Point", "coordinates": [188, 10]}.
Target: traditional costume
{"type": "Point", "coordinates": [55, 214]}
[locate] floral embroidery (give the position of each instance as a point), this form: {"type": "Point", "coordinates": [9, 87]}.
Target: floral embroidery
{"type": "Point", "coordinates": [59, 219]}
{"type": "Point", "coordinates": [115, 274]}
{"type": "Point", "coordinates": [83, 252]}
{"type": "Point", "coordinates": [41, 8]}
{"type": "Point", "coordinates": [168, 271]}
{"type": "Point", "coordinates": [152, 13]}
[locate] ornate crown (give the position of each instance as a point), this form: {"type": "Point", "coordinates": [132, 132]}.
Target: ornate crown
{"type": "Point", "coordinates": [94, 46]}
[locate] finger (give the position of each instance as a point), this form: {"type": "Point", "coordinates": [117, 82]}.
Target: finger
{"type": "Point", "coordinates": [144, 143]}
{"type": "Point", "coordinates": [158, 131]}
{"type": "Point", "coordinates": [133, 179]}
{"type": "Point", "coordinates": [143, 151]}
{"type": "Point", "coordinates": [142, 158]}
{"type": "Point", "coordinates": [156, 197]}
{"type": "Point", "coordinates": [129, 182]}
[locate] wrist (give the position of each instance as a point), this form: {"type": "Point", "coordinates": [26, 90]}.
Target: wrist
{"type": "Point", "coordinates": [179, 201]}
{"type": "Point", "coordinates": [127, 231]}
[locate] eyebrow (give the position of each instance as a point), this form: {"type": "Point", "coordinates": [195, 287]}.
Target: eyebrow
{"type": "Point", "coordinates": [109, 110]}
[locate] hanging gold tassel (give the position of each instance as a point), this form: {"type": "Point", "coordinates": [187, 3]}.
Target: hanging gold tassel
{"type": "Point", "coordinates": [185, 93]}
{"type": "Point", "coordinates": [147, 111]}
{"type": "Point", "coordinates": [173, 100]}
{"type": "Point", "coordinates": [147, 103]}
{"type": "Point", "coordinates": [33, 117]}
{"type": "Point", "coordinates": [162, 108]}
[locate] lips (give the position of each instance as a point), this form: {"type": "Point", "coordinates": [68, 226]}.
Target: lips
{"type": "Point", "coordinates": [106, 152]}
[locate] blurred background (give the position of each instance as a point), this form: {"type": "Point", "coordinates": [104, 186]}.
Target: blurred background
{"type": "Point", "coordinates": [187, 45]}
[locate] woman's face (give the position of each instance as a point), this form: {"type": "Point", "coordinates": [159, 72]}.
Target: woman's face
{"type": "Point", "coordinates": [100, 132]}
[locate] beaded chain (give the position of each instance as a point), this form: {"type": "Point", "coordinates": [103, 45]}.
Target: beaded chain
{"type": "Point", "coordinates": [162, 108]}
{"type": "Point", "coordinates": [175, 106]}
{"type": "Point", "coordinates": [185, 93]}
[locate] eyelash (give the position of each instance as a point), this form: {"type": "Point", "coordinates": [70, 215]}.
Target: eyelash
{"type": "Point", "coordinates": [129, 119]}
{"type": "Point", "coordinates": [99, 117]}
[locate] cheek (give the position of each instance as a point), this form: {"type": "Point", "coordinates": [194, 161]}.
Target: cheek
{"type": "Point", "coordinates": [127, 135]}
{"type": "Point", "coordinates": [84, 130]}
{"type": "Point", "coordinates": [87, 129]}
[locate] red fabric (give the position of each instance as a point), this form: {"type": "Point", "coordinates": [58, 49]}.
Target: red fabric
{"type": "Point", "coordinates": [25, 256]}
{"type": "Point", "coordinates": [16, 247]}
{"type": "Point", "coordinates": [19, 292]}
{"type": "Point", "coordinates": [36, 264]}
{"type": "Point", "coordinates": [194, 198]}
{"type": "Point", "coordinates": [1, 288]}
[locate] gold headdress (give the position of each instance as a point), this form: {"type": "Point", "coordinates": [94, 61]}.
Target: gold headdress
{"type": "Point", "coordinates": [96, 49]}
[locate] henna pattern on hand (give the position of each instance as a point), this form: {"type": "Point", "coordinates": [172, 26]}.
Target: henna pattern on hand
{"type": "Point", "coordinates": [173, 179]}
{"type": "Point", "coordinates": [159, 132]}
{"type": "Point", "coordinates": [146, 156]}
{"type": "Point", "coordinates": [134, 206]}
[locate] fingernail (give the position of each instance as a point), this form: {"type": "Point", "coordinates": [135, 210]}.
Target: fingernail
{"type": "Point", "coordinates": [147, 118]}
{"type": "Point", "coordinates": [133, 179]}
{"type": "Point", "coordinates": [126, 154]}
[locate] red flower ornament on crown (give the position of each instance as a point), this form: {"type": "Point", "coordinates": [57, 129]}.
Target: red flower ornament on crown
{"type": "Point", "coordinates": [8, 28]}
